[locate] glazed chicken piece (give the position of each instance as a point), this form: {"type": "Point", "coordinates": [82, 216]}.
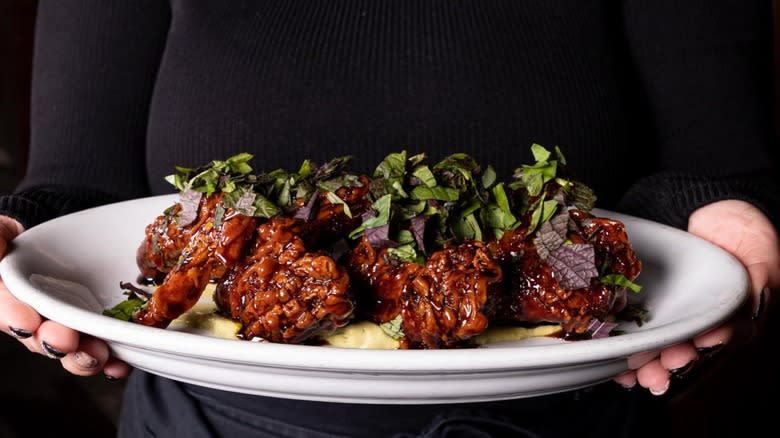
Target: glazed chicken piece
{"type": "Point", "coordinates": [164, 239]}
{"type": "Point", "coordinates": [450, 299]}
{"type": "Point", "coordinates": [210, 248]}
{"type": "Point", "coordinates": [281, 292]}
{"type": "Point", "coordinates": [443, 303]}
{"type": "Point", "coordinates": [330, 224]}
{"type": "Point", "coordinates": [380, 282]}
{"type": "Point", "coordinates": [533, 293]}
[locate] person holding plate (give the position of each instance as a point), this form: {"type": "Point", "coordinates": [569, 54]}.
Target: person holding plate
{"type": "Point", "coordinates": [664, 108]}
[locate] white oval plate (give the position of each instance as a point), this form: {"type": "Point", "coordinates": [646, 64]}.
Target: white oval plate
{"type": "Point", "coordinates": [69, 270]}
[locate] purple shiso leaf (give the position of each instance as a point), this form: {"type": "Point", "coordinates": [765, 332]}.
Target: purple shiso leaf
{"type": "Point", "coordinates": [552, 234]}
{"type": "Point", "coordinates": [573, 265]}
{"type": "Point", "coordinates": [368, 214]}
{"type": "Point", "coordinates": [189, 200]}
{"type": "Point", "coordinates": [136, 290]}
{"type": "Point", "coordinates": [306, 211]}
{"type": "Point", "coordinates": [379, 237]}
{"type": "Point", "coordinates": [245, 204]}
{"type": "Point", "coordinates": [600, 329]}
{"type": "Point", "coordinates": [418, 230]}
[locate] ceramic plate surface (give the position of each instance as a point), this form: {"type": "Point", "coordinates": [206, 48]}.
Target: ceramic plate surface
{"type": "Point", "coordinates": [69, 270]}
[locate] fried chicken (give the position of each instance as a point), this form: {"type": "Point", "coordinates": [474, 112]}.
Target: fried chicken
{"type": "Point", "coordinates": [212, 247]}
{"type": "Point", "coordinates": [281, 292]}
{"type": "Point", "coordinates": [535, 295]}
{"type": "Point", "coordinates": [164, 239]}
{"type": "Point", "coordinates": [442, 304]}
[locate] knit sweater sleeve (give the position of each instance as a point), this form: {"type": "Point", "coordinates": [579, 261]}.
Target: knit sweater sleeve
{"type": "Point", "coordinates": [94, 69]}
{"type": "Point", "coordinates": [705, 68]}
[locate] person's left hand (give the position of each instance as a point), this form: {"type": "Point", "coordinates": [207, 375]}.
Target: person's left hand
{"type": "Point", "coordinates": [743, 230]}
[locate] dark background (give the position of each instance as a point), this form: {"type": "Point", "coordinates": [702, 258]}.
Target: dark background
{"type": "Point", "coordinates": [728, 396]}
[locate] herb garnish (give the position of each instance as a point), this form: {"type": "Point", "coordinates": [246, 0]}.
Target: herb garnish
{"type": "Point", "coordinates": [126, 310]}
{"type": "Point", "coordinates": [620, 280]}
{"type": "Point", "coordinates": [392, 328]}
{"type": "Point", "coordinates": [263, 195]}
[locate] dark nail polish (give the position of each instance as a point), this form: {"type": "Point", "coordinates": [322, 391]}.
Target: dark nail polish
{"type": "Point", "coordinates": [84, 360]}
{"type": "Point", "coordinates": [51, 351]}
{"type": "Point", "coordinates": [19, 333]}
{"type": "Point", "coordinates": [759, 307]}
{"type": "Point", "coordinates": [708, 352]}
{"type": "Point", "coordinates": [683, 371]}
{"type": "Point", "coordinates": [110, 378]}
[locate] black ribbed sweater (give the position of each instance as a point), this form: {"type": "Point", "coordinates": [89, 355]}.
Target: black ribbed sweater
{"type": "Point", "coordinates": [661, 106]}
{"type": "Point", "coordinates": [677, 92]}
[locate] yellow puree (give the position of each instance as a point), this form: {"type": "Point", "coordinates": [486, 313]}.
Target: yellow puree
{"type": "Point", "coordinates": [203, 319]}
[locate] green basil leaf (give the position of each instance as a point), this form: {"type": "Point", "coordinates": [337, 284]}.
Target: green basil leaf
{"type": "Point", "coordinates": [620, 280]}
{"type": "Point", "coordinates": [489, 177]}
{"type": "Point", "coordinates": [382, 208]}
{"type": "Point", "coordinates": [334, 199]}
{"type": "Point", "coordinates": [438, 193]}
{"type": "Point", "coordinates": [393, 327]}
{"type": "Point", "coordinates": [393, 166]}
{"type": "Point", "coordinates": [425, 175]}
{"type": "Point", "coordinates": [541, 154]}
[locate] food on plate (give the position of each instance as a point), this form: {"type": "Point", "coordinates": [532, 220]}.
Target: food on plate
{"type": "Point", "coordinates": [283, 293]}
{"type": "Point", "coordinates": [432, 255]}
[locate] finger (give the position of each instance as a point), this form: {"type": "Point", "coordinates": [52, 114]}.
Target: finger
{"type": "Point", "coordinates": [626, 380]}
{"type": "Point", "coordinates": [654, 377]}
{"type": "Point", "coordinates": [17, 318]}
{"type": "Point", "coordinates": [88, 359]}
{"type": "Point", "coordinates": [637, 360]}
{"type": "Point", "coordinates": [679, 358]}
{"type": "Point", "coordinates": [116, 369]}
{"type": "Point", "coordinates": [56, 340]}
{"type": "Point", "coordinates": [718, 336]}
{"type": "Point", "coordinates": [9, 229]}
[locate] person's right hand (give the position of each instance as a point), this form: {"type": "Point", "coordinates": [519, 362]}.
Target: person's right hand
{"type": "Point", "coordinates": [80, 354]}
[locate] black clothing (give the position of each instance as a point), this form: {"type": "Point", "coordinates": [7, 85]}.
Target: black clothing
{"type": "Point", "coordinates": [661, 106]}
{"type": "Point", "coordinates": [167, 408]}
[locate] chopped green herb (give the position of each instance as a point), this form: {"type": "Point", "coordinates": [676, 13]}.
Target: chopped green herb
{"type": "Point", "coordinates": [219, 214]}
{"type": "Point", "coordinates": [542, 213]}
{"type": "Point", "coordinates": [404, 253]}
{"type": "Point", "coordinates": [393, 327]}
{"type": "Point", "coordinates": [425, 175]}
{"type": "Point", "coordinates": [334, 199]}
{"type": "Point", "coordinates": [438, 193]}
{"type": "Point", "coordinates": [382, 208]}
{"type": "Point", "coordinates": [620, 280]}
{"type": "Point", "coordinates": [126, 310]}
{"type": "Point", "coordinates": [489, 177]}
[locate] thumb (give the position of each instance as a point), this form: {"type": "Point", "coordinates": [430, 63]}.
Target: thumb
{"type": "Point", "coordinates": [9, 228]}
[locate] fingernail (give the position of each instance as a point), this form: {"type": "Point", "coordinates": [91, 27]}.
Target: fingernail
{"type": "Point", "coordinates": [758, 308]}
{"type": "Point", "coordinates": [20, 333]}
{"type": "Point", "coordinates": [110, 378]}
{"type": "Point", "coordinates": [84, 360]}
{"type": "Point", "coordinates": [708, 352]}
{"type": "Point", "coordinates": [51, 351]}
{"type": "Point", "coordinates": [660, 391]}
{"type": "Point", "coordinates": [683, 371]}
